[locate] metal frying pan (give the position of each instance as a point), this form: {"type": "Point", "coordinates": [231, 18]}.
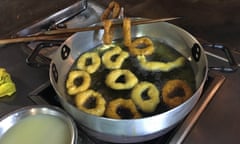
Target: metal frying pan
{"type": "Point", "coordinates": [130, 130]}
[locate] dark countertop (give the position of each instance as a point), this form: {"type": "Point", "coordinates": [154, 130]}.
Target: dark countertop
{"type": "Point", "coordinates": [17, 15]}
{"type": "Point", "coordinates": [215, 21]}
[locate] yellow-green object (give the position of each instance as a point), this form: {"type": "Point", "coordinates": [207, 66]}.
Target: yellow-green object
{"type": "Point", "coordinates": [7, 87]}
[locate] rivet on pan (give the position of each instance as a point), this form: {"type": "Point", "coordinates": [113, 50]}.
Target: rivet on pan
{"type": "Point", "coordinates": [65, 52]}
{"type": "Point", "coordinates": [55, 72]}
{"type": "Point", "coordinates": [196, 52]}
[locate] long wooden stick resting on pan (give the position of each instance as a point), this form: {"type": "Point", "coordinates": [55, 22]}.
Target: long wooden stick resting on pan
{"type": "Point", "coordinates": [64, 33]}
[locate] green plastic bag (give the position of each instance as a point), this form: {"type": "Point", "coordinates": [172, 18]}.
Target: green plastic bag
{"type": "Point", "coordinates": [7, 87]}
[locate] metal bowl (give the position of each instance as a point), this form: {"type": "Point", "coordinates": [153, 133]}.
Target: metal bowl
{"type": "Point", "coordinates": [11, 119]}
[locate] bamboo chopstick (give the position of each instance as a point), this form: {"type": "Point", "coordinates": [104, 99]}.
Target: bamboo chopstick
{"type": "Point", "coordinates": [64, 33]}
{"type": "Point", "coordinates": [32, 38]}
{"type": "Point", "coordinates": [135, 22]}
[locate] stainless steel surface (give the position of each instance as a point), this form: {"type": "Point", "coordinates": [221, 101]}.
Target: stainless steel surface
{"type": "Point", "coordinates": [83, 13]}
{"type": "Point", "coordinates": [126, 131]}
{"type": "Point", "coordinates": [52, 21]}
{"type": "Point", "coordinates": [87, 15]}
{"type": "Point", "coordinates": [11, 119]}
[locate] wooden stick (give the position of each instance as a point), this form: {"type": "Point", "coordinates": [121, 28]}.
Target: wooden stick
{"type": "Point", "coordinates": [32, 38]}
{"type": "Point", "coordinates": [64, 33]}
{"type": "Point", "coordinates": [135, 22]}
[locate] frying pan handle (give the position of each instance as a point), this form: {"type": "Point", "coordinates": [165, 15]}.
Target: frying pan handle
{"type": "Point", "coordinates": [35, 59]}
{"type": "Point", "coordinates": [233, 66]}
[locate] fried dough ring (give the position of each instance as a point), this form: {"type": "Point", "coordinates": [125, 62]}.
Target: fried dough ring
{"type": "Point", "coordinates": [108, 32]}
{"type": "Point", "coordinates": [72, 87]}
{"type": "Point", "coordinates": [130, 79]}
{"type": "Point", "coordinates": [175, 92]}
{"type": "Point", "coordinates": [136, 48]}
{"type": "Point", "coordinates": [95, 62]}
{"type": "Point", "coordinates": [146, 105]}
{"type": "Point", "coordinates": [160, 66]}
{"type": "Point", "coordinates": [112, 10]}
{"type": "Point", "coordinates": [83, 97]}
{"type": "Point", "coordinates": [127, 38]}
{"type": "Point", "coordinates": [117, 63]}
{"type": "Point", "coordinates": [113, 106]}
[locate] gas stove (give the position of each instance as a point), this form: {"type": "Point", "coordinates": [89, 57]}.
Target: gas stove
{"type": "Point", "coordinates": [82, 14]}
{"type": "Point", "coordinates": [45, 95]}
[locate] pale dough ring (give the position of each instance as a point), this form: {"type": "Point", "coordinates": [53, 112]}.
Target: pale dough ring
{"type": "Point", "coordinates": [100, 102]}
{"type": "Point", "coordinates": [130, 79]}
{"type": "Point", "coordinates": [71, 86]}
{"type": "Point", "coordinates": [150, 104]}
{"type": "Point", "coordinates": [93, 66]}
{"type": "Point", "coordinates": [117, 63]}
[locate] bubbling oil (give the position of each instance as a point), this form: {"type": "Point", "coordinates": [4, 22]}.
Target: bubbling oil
{"type": "Point", "coordinates": [162, 53]}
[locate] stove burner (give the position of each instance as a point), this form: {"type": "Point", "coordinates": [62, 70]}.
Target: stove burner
{"type": "Point", "coordinates": [45, 94]}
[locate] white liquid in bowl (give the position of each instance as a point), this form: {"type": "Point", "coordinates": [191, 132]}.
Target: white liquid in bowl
{"type": "Point", "coordinates": [38, 129]}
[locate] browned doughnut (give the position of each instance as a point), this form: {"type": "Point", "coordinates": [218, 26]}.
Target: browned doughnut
{"type": "Point", "coordinates": [108, 32]}
{"type": "Point", "coordinates": [127, 38]}
{"type": "Point", "coordinates": [122, 109]}
{"type": "Point", "coordinates": [112, 11]}
{"type": "Point", "coordinates": [175, 92]}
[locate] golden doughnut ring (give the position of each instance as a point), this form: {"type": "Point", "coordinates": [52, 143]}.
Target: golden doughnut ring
{"type": "Point", "coordinates": [122, 109]}
{"type": "Point", "coordinates": [175, 92]}
{"type": "Point", "coordinates": [127, 38]}
{"type": "Point", "coordinates": [129, 79]}
{"type": "Point", "coordinates": [113, 8]}
{"type": "Point", "coordinates": [108, 32]}
{"type": "Point", "coordinates": [77, 81]}
{"type": "Point", "coordinates": [92, 66]}
{"type": "Point", "coordinates": [147, 103]}
{"type": "Point", "coordinates": [91, 102]}
{"type": "Point", "coordinates": [141, 46]}
{"type": "Point", "coordinates": [160, 66]}
{"type": "Point", "coordinates": [108, 61]}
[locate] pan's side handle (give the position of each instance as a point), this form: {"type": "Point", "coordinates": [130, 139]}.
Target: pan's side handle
{"type": "Point", "coordinates": [233, 66]}
{"type": "Point", "coordinates": [32, 61]}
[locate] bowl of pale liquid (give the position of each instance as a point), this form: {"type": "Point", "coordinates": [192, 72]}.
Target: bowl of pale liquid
{"type": "Point", "coordinates": [38, 125]}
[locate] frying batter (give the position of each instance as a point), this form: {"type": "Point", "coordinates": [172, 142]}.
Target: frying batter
{"type": "Point", "coordinates": [147, 103]}
{"type": "Point", "coordinates": [97, 99]}
{"type": "Point", "coordinates": [77, 81]}
{"type": "Point", "coordinates": [128, 81]}
{"type": "Point", "coordinates": [114, 58]}
{"type": "Point", "coordinates": [89, 61]}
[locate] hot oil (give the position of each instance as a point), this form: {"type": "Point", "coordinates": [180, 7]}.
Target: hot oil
{"type": "Point", "coordinates": [163, 53]}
